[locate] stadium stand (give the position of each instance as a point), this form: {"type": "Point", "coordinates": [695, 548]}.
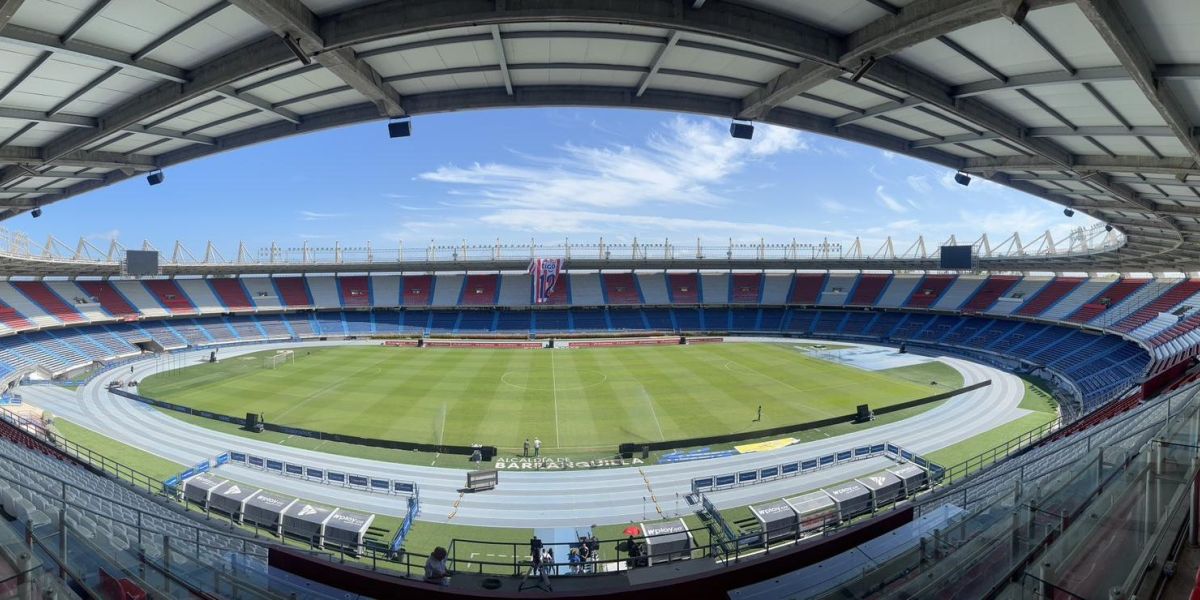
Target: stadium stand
{"type": "Point", "coordinates": [143, 301]}
{"type": "Point", "coordinates": [479, 290]}
{"type": "Point", "coordinates": [167, 293]}
{"type": "Point", "coordinates": [714, 289]}
{"type": "Point", "coordinates": [515, 290]}
{"type": "Point", "coordinates": [1089, 291]}
{"type": "Point", "coordinates": [231, 294]}
{"type": "Point", "coordinates": [76, 299]}
{"type": "Point", "coordinates": [775, 288]}
{"type": "Point", "coordinates": [1048, 295]}
{"type": "Point", "coordinates": [869, 289]}
{"type": "Point", "coordinates": [201, 295]}
{"type": "Point", "coordinates": [745, 288]}
{"type": "Point", "coordinates": [355, 292]}
{"type": "Point", "coordinates": [927, 291]}
{"type": "Point", "coordinates": [23, 306]}
{"type": "Point", "coordinates": [111, 300]}
{"type": "Point", "coordinates": [1177, 295]}
{"type": "Point", "coordinates": [1111, 297]}
{"type": "Point", "coordinates": [654, 288]}
{"type": "Point", "coordinates": [620, 288]}
{"type": "Point", "coordinates": [293, 292]}
{"type": "Point", "coordinates": [323, 291]}
{"type": "Point", "coordinates": [1018, 295]}
{"type": "Point", "coordinates": [837, 289]}
{"type": "Point", "coordinates": [683, 288]}
{"type": "Point", "coordinates": [447, 290]}
{"type": "Point", "coordinates": [898, 291]}
{"type": "Point", "coordinates": [417, 290]}
{"type": "Point", "coordinates": [561, 294]}
{"type": "Point", "coordinates": [385, 291]}
{"type": "Point", "coordinates": [956, 296]}
{"type": "Point", "coordinates": [261, 291]}
{"type": "Point", "coordinates": [989, 292]}
{"type": "Point", "coordinates": [806, 288]}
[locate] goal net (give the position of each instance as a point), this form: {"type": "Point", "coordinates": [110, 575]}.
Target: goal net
{"type": "Point", "coordinates": [280, 358]}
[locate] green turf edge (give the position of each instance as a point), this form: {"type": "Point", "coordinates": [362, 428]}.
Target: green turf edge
{"type": "Point", "coordinates": [148, 464]}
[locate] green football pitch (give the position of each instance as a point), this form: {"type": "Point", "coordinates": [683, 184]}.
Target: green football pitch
{"type": "Point", "coordinates": [574, 399]}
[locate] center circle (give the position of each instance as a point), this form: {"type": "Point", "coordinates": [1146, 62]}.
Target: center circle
{"type": "Point", "coordinates": [538, 381]}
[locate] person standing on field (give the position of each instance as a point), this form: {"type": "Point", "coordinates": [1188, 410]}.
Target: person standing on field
{"type": "Point", "coordinates": [537, 447]}
{"type": "Point", "coordinates": [526, 453]}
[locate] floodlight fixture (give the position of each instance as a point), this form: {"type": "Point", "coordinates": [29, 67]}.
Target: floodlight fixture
{"type": "Point", "coordinates": [962, 178]}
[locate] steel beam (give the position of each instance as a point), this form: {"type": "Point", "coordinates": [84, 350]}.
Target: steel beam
{"type": "Point", "coordinates": [501, 55]}
{"type": "Point", "coordinates": [8, 8]}
{"type": "Point", "coordinates": [199, 18]}
{"type": "Point", "coordinates": [1086, 163]}
{"type": "Point", "coordinates": [91, 85]}
{"type": "Point", "coordinates": [260, 55]}
{"type": "Point", "coordinates": [292, 18]}
{"type": "Point", "coordinates": [84, 19]}
{"type": "Point", "coordinates": [1116, 29]}
{"type": "Point", "coordinates": [655, 64]}
{"type": "Point", "coordinates": [27, 155]}
{"type": "Point", "coordinates": [16, 35]}
{"type": "Point", "coordinates": [259, 103]}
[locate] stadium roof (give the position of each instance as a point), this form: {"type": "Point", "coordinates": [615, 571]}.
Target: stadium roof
{"type": "Point", "coordinates": [1090, 104]}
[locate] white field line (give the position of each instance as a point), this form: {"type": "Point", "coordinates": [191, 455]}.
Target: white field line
{"type": "Point", "coordinates": [554, 392]}
{"type": "Point", "coordinates": [650, 403]}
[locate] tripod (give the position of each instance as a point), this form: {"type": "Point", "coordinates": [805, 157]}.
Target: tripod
{"type": "Point", "coordinates": [535, 569]}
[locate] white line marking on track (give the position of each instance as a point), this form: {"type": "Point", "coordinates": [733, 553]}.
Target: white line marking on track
{"type": "Point", "coordinates": [554, 391]}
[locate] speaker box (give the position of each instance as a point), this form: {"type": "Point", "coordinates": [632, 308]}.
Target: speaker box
{"type": "Point", "coordinates": [155, 178]}
{"type": "Point", "coordinates": [741, 131]}
{"type": "Point", "coordinates": [251, 420]}
{"type": "Point", "coordinates": [399, 129]}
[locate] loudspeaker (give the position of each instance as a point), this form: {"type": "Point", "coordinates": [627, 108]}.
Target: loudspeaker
{"type": "Point", "coordinates": [645, 452]}
{"type": "Point", "coordinates": [741, 131]}
{"type": "Point", "coordinates": [903, 348]}
{"type": "Point", "coordinates": [864, 414]}
{"type": "Point", "coordinates": [399, 129]}
{"type": "Point", "coordinates": [155, 178]}
{"type": "Point", "coordinates": [251, 420]}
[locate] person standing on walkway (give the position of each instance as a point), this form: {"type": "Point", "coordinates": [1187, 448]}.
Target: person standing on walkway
{"type": "Point", "coordinates": [537, 447]}
{"type": "Point", "coordinates": [526, 453]}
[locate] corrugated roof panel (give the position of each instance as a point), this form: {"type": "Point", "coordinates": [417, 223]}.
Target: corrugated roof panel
{"type": "Point", "coordinates": [937, 59]}
{"type": "Point", "coordinates": [1128, 99]}
{"type": "Point", "coordinates": [51, 16]}
{"type": "Point", "coordinates": [1005, 47]}
{"type": "Point", "coordinates": [1167, 28]}
{"type": "Point", "coordinates": [442, 83]}
{"type": "Point", "coordinates": [247, 122]}
{"type": "Point", "coordinates": [854, 96]}
{"type": "Point", "coordinates": [839, 17]}
{"type": "Point", "coordinates": [694, 59]}
{"type": "Point", "coordinates": [574, 77]}
{"type": "Point", "coordinates": [1083, 48]}
{"type": "Point", "coordinates": [327, 102]}
{"type": "Point", "coordinates": [724, 89]}
{"type": "Point", "coordinates": [815, 107]}
{"type": "Point", "coordinates": [218, 35]}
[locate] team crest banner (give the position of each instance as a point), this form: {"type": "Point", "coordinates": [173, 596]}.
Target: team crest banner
{"type": "Point", "coordinates": [546, 272]}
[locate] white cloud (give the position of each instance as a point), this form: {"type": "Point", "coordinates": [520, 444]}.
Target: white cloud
{"type": "Point", "coordinates": [679, 164]}
{"type": "Point", "coordinates": [889, 201]}
{"type": "Point", "coordinates": [591, 222]}
{"type": "Point", "coordinates": [888, 154]}
{"type": "Point", "coordinates": [103, 236]}
{"type": "Point", "coordinates": [308, 215]}
{"type": "Point", "coordinates": [919, 184]}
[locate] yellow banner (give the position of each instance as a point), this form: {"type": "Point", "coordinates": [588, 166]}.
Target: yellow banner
{"type": "Point", "coordinates": [765, 446]}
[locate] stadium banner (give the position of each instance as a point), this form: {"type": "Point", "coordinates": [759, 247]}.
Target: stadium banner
{"type": "Point", "coordinates": [546, 273]}
{"type": "Point", "coordinates": [674, 340]}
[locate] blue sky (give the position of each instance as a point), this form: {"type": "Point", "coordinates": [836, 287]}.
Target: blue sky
{"type": "Point", "coordinates": [548, 174]}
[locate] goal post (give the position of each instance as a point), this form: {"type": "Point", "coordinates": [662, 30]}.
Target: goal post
{"type": "Point", "coordinates": [280, 358]}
